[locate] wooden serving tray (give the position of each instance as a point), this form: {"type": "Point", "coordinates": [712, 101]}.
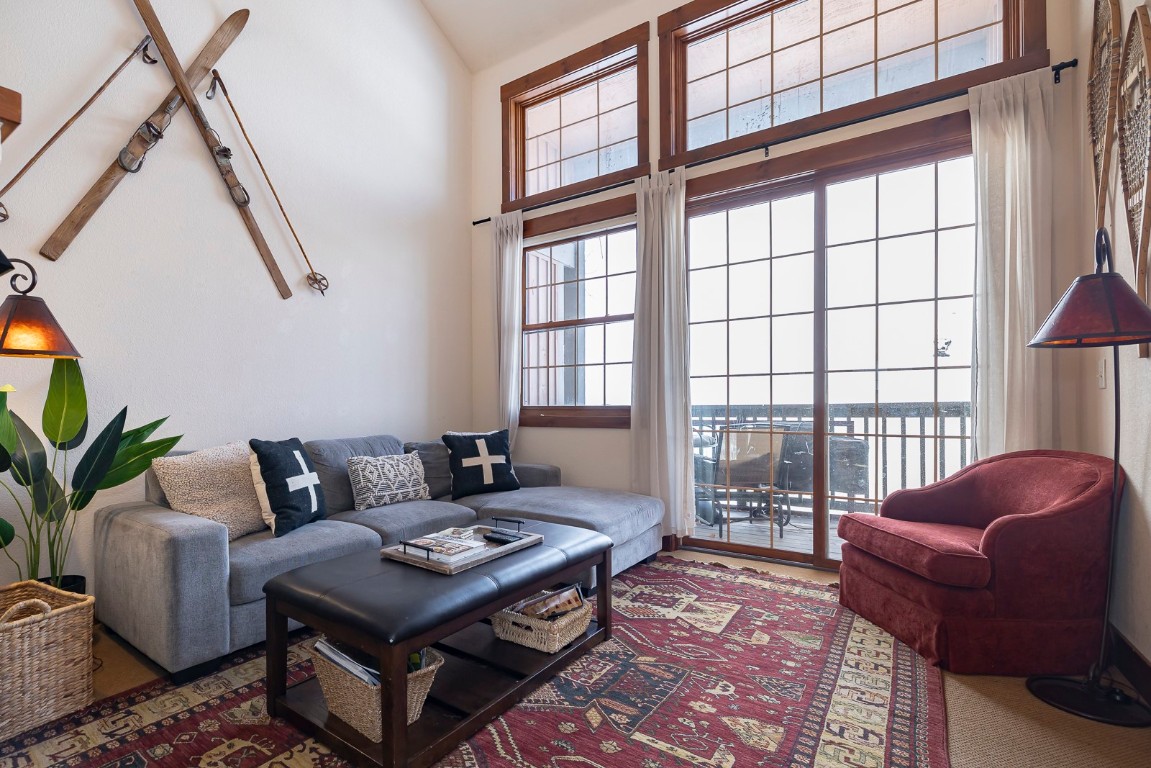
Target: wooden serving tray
{"type": "Point", "coordinates": [490, 552]}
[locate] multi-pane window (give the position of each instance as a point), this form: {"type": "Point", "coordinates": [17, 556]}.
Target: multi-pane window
{"type": "Point", "coordinates": [586, 132]}
{"type": "Point", "coordinates": [813, 56]}
{"type": "Point", "coordinates": [738, 77]}
{"type": "Point", "coordinates": [830, 332]}
{"type": "Point", "coordinates": [578, 124]}
{"type": "Point", "coordinates": [579, 303]}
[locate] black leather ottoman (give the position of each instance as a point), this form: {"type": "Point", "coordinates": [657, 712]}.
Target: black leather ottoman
{"type": "Point", "coordinates": [390, 609]}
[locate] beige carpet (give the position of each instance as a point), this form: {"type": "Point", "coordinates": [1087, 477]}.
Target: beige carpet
{"type": "Point", "coordinates": [992, 722]}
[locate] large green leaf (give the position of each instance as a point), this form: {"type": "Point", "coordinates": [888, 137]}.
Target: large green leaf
{"type": "Point", "coordinates": [7, 532]}
{"type": "Point", "coordinates": [66, 406]}
{"type": "Point", "coordinates": [98, 458]}
{"type": "Point", "coordinates": [8, 436]}
{"type": "Point", "coordinates": [48, 498]}
{"type": "Point", "coordinates": [134, 459]}
{"type": "Point", "coordinates": [140, 434]}
{"type": "Point", "coordinates": [29, 461]}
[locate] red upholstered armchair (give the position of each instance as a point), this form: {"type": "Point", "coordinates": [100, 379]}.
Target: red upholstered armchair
{"type": "Point", "coordinates": [999, 569]}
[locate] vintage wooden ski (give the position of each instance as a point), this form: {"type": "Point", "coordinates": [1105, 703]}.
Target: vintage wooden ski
{"type": "Point", "coordinates": [131, 157]}
{"type": "Point", "coordinates": [221, 155]}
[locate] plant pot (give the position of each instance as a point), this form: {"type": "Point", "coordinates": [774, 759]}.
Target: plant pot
{"type": "Point", "coordinates": [73, 583]}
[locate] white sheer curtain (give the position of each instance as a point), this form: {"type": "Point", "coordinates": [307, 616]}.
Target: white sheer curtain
{"type": "Point", "coordinates": [1011, 122]}
{"type": "Point", "coordinates": [660, 406]}
{"type": "Point", "coordinates": [508, 245]}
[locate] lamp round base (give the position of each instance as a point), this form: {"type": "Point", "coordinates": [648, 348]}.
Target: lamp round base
{"type": "Point", "coordinates": [1084, 698]}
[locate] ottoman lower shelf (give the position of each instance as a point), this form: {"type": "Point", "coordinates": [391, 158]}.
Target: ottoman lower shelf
{"type": "Point", "coordinates": [482, 676]}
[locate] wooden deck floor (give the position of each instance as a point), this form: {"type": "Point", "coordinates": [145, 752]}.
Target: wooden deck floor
{"type": "Point", "coordinates": [797, 535]}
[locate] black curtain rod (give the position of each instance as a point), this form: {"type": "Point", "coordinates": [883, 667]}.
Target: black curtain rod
{"type": "Point", "coordinates": [1056, 68]}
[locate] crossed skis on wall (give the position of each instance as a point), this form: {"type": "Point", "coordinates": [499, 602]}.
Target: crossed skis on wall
{"type": "Point", "coordinates": [131, 158]}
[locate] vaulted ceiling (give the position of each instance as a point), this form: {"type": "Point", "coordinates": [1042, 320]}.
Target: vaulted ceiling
{"type": "Point", "coordinates": [484, 32]}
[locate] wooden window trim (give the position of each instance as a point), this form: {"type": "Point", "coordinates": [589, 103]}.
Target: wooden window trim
{"type": "Point", "coordinates": [928, 140]}
{"type": "Point", "coordinates": [1024, 49]}
{"type": "Point", "coordinates": [10, 111]}
{"type": "Point", "coordinates": [576, 416]}
{"type": "Point", "coordinates": [541, 84]}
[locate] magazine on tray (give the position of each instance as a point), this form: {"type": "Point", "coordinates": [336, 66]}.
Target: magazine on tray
{"type": "Point", "coordinates": [445, 547]}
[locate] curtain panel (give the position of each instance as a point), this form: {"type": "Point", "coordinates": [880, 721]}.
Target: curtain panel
{"type": "Point", "coordinates": [1011, 122]}
{"type": "Point", "coordinates": [508, 246]}
{"type": "Point", "coordinates": [661, 463]}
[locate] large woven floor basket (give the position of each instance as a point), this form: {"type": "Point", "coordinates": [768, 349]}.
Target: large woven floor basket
{"type": "Point", "coordinates": [45, 655]}
{"type": "Point", "coordinates": [358, 704]}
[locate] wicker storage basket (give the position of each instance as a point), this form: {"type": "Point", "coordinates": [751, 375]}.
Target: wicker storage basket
{"type": "Point", "coordinates": [541, 634]}
{"type": "Point", "coordinates": [45, 655]}
{"type": "Point", "coordinates": [358, 704]}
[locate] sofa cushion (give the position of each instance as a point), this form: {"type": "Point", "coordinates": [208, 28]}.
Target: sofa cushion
{"type": "Point", "coordinates": [621, 516]}
{"type": "Point", "coordinates": [258, 557]}
{"type": "Point", "coordinates": [437, 473]}
{"type": "Point", "coordinates": [331, 460]}
{"type": "Point", "coordinates": [409, 519]}
{"type": "Point", "coordinates": [945, 554]}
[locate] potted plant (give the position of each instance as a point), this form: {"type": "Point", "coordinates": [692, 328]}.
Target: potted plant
{"type": "Point", "coordinates": [47, 501]}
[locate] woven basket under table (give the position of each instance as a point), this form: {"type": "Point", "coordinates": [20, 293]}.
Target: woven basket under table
{"type": "Point", "coordinates": [542, 634]}
{"type": "Point", "coordinates": [358, 703]}
{"type": "Point", "coordinates": [45, 655]}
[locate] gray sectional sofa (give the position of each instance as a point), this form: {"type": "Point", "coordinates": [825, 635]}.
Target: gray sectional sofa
{"type": "Point", "coordinates": [174, 587]}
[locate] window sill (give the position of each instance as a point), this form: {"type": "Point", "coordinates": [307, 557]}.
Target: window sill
{"type": "Point", "coordinates": [577, 416]}
{"type": "Point", "coordinates": [579, 188]}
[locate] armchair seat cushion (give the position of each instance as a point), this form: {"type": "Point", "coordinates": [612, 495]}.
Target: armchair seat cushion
{"type": "Point", "coordinates": [257, 557]}
{"type": "Point", "coordinates": [945, 554]}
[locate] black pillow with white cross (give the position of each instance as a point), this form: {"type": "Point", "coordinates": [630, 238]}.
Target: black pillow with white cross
{"type": "Point", "coordinates": [481, 462]}
{"type": "Point", "coordinates": [286, 484]}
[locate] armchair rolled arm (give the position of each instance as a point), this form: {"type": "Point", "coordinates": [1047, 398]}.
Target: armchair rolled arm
{"type": "Point", "coordinates": [537, 475]}
{"type": "Point", "coordinates": [162, 582]}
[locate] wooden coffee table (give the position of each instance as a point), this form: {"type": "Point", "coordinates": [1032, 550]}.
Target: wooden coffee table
{"type": "Point", "coordinates": [390, 609]}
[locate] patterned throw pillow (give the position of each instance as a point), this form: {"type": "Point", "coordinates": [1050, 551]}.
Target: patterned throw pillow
{"type": "Point", "coordinates": [286, 483]}
{"type": "Point", "coordinates": [380, 480]}
{"type": "Point", "coordinates": [214, 483]}
{"type": "Point", "coordinates": [481, 462]}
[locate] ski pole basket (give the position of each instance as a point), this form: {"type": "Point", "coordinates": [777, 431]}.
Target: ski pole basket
{"type": "Point", "coordinates": [45, 655]}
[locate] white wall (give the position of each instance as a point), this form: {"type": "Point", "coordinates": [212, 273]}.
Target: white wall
{"type": "Point", "coordinates": [1131, 600]}
{"type": "Point", "coordinates": [363, 118]}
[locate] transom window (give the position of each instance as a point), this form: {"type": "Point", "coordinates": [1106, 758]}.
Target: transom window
{"type": "Point", "coordinates": [756, 68]}
{"type": "Point", "coordinates": [578, 124]}
{"type": "Point", "coordinates": [579, 303]}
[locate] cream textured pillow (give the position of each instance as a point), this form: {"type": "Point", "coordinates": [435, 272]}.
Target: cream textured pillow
{"type": "Point", "coordinates": [215, 483]}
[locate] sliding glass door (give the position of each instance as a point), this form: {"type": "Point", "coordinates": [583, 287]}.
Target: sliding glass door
{"type": "Point", "coordinates": [831, 325]}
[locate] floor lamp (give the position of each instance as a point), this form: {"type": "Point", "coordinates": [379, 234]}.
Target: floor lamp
{"type": "Point", "coordinates": [1098, 310]}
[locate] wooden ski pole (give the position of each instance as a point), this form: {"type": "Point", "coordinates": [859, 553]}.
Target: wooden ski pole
{"type": "Point", "coordinates": [141, 48]}
{"type": "Point", "coordinates": [221, 155]}
{"type": "Point", "coordinates": [315, 279]}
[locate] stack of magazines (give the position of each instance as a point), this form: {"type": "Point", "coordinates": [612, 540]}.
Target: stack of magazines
{"type": "Point", "coordinates": [359, 664]}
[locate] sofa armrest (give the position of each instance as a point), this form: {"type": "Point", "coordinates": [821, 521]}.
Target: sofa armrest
{"type": "Point", "coordinates": [537, 475]}
{"type": "Point", "coordinates": [162, 582]}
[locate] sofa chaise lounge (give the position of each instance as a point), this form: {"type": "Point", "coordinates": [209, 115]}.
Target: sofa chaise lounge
{"type": "Point", "coordinates": [173, 586]}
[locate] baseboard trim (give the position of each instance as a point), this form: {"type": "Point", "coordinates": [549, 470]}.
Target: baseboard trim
{"type": "Point", "coordinates": [1132, 664]}
{"type": "Point", "coordinates": [670, 543]}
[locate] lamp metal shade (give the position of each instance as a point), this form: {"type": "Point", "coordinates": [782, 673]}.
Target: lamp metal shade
{"type": "Point", "coordinates": [1098, 310]}
{"type": "Point", "coordinates": [28, 329]}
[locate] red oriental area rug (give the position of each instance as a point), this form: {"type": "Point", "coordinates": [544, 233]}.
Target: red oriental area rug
{"type": "Point", "coordinates": [709, 666]}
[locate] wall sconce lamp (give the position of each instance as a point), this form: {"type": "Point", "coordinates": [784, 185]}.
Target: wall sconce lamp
{"type": "Point", "coordinates": [27, 326]}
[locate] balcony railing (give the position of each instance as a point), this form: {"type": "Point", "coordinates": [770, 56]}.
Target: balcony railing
{"type": "Point", "coordinates": [904, 438]}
